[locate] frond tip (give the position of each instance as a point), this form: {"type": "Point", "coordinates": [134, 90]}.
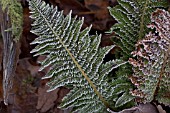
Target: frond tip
{"type": "Point", "coordinates": [74, 57]}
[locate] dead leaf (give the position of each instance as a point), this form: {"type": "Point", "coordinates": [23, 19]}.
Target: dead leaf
{"type": "Point", "coordinates": [62, 92]}
{"type": "Point", "coordinates": [146, 108]}
{"type": "Point", "coordinates": [141, 108]}
{"type": "Point", "coordinates": [160, 109]}
{"type": "Point", "coordinates": [99, 7]}
{"type": "Point", "coordinates": [73, 5]}
{"type": "Point", "coordinates": [46, 100]}
{"type": "Point", "coordinates": [25, 63]}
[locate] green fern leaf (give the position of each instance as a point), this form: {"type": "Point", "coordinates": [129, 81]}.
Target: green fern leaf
{"type": "Point", "coordinates": [132, 17]}
{"type": "Point", "coordinates": [151, 69]}
{"type": "Point", "coordinates": [74, 57]}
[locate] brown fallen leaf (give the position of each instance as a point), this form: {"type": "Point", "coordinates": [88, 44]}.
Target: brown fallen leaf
{"type": "Point", "coordinates": [146, 108]}
{"type": "Point", "coordinates": [46, 100]}
{"type": "Point", "coordinates": [99, 7]}
{"type": "Point", "coordinates": [141, 108]}
{"type": "Point", "coordinates": [102, 19]}
{"type": "Point", "coordinates": [68, 5]}
{"type": "Point", "coordinates": [61, 93]}
{"type": "Point", "coordinates": [160, 109]}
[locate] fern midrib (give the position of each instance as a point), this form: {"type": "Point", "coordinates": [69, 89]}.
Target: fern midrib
{"type": "Point", "coordinates": [161, 72]}
{"type": "Point", "coordinates": [142, 21]}
{"type": "Point", "coordinates": [76, 63]}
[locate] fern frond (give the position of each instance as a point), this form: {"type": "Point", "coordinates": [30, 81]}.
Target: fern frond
{"type": "Point", "coordinates": [132, 17]}
{"type": "Point", "coordinates": [15, 13]}
{"type": "Point", "coordinates": [74, 57]}
{"type": "Point", "coordinates": [151, 69]}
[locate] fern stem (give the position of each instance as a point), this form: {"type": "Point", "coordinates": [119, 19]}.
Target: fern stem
{"type": "Point", "coordinates": [76, 63]}
{"type": "Point", "coordinates": [142, 20]}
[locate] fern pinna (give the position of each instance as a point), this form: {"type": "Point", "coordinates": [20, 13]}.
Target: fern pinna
{"type": "Point", "coordinates": [152, 67]}
{"type": "Point", "coordinates": [74, 57]}
{"type": "Point", "coordinates": [132, 18]}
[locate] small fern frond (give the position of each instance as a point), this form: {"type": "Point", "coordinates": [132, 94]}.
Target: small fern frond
{"type": "Point", "coordinates": [74, 57]}
{"type": "Point", "coordinates": [151, 69]}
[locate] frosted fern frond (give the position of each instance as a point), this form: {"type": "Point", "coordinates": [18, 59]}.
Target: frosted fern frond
{"type": "Point", "coordinates": [132, 17]}
{"type": "Point", "coordinates": [74, 57]}
{"type": "Point", "coordinates": [152, 67]}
